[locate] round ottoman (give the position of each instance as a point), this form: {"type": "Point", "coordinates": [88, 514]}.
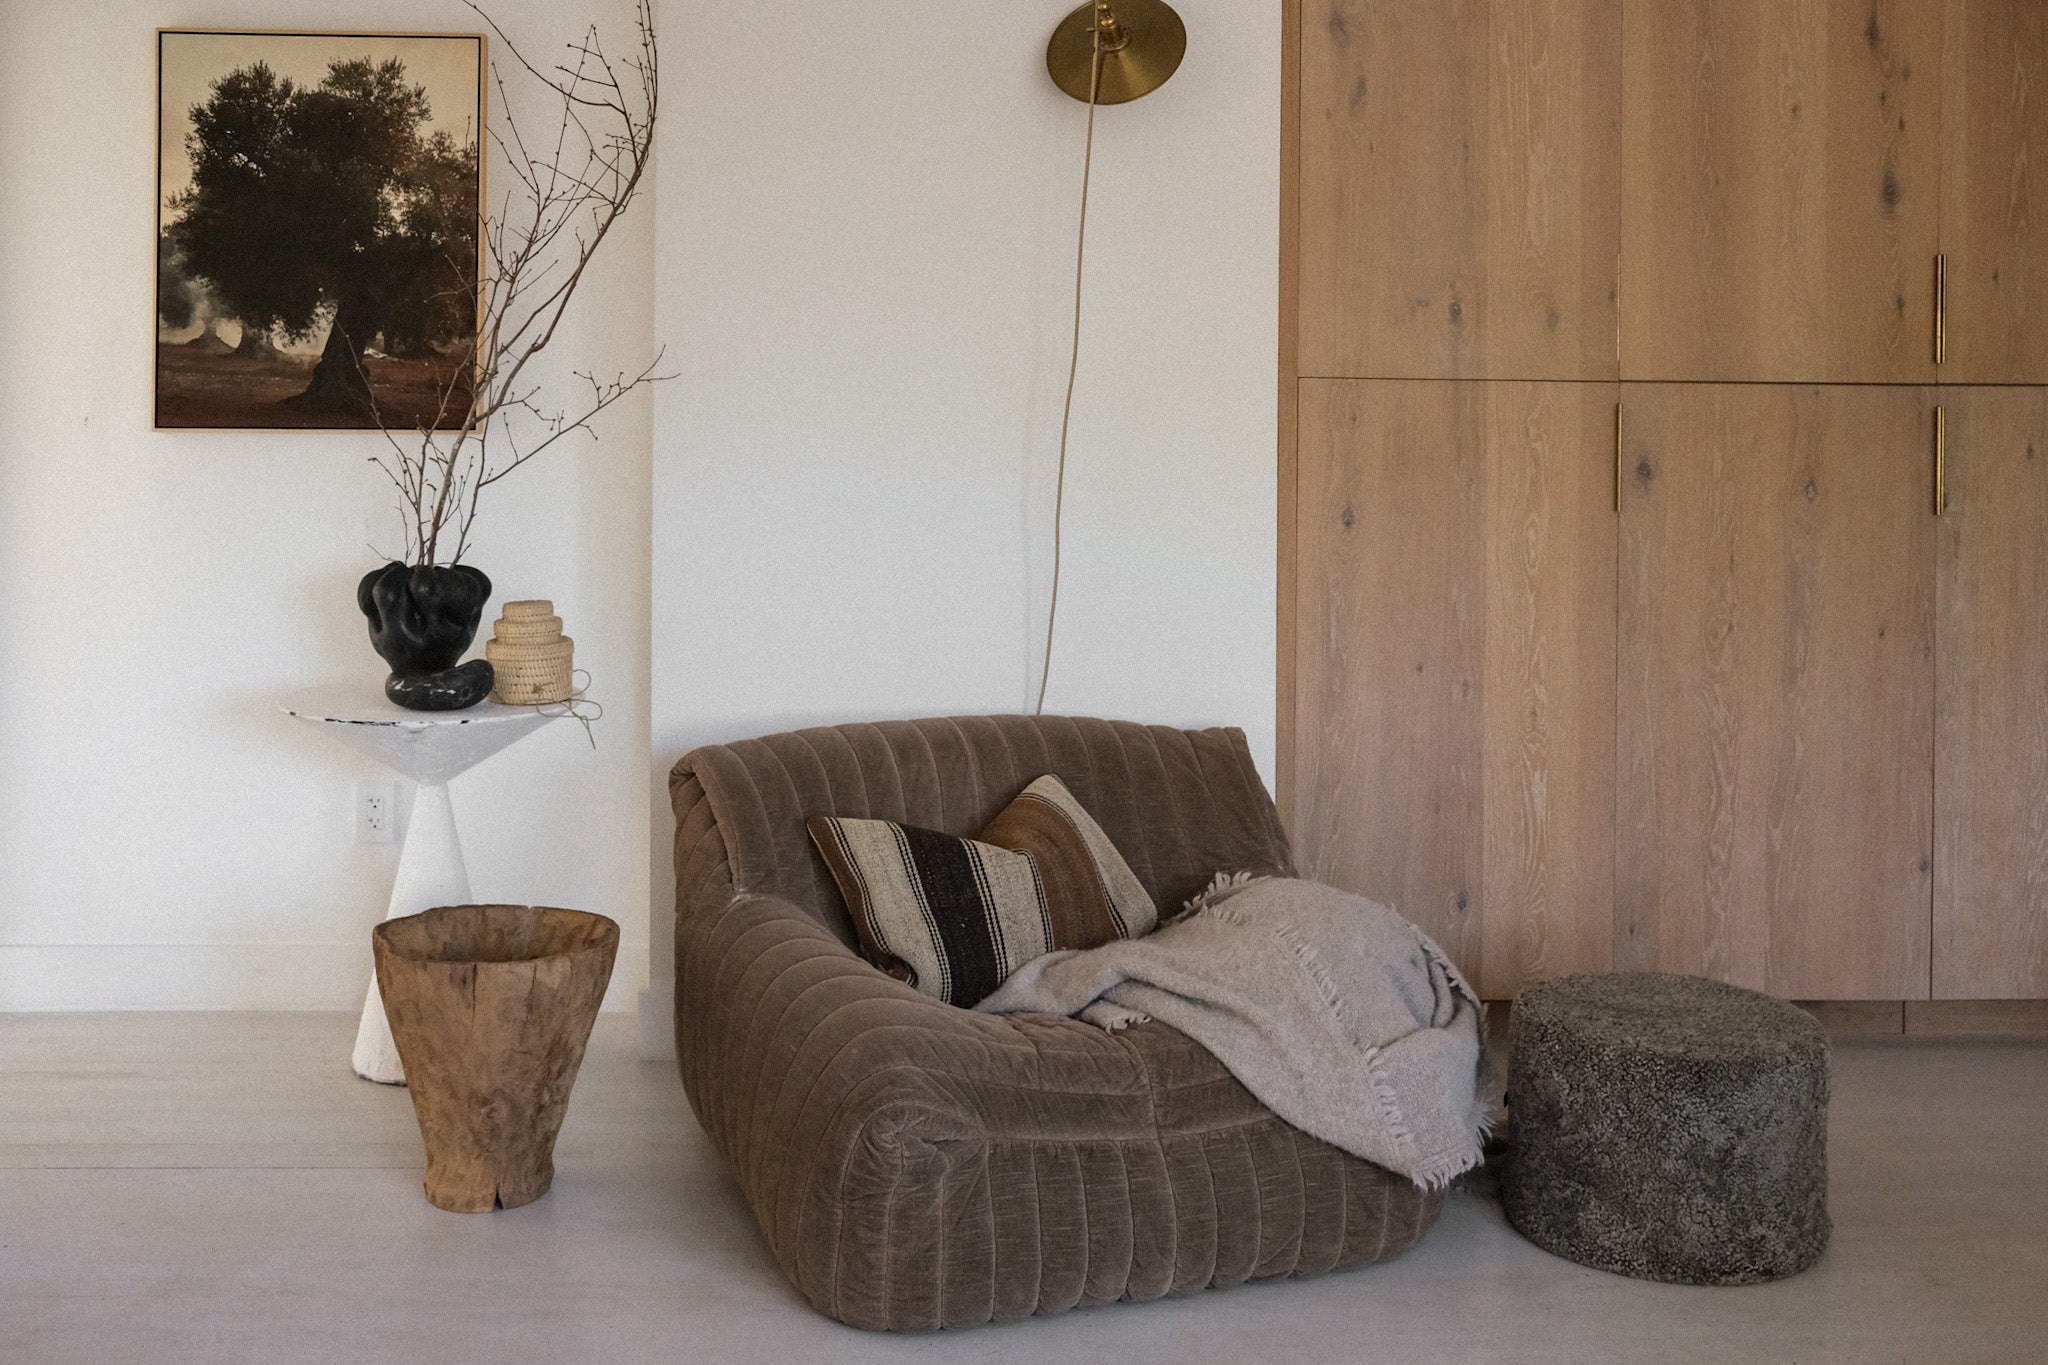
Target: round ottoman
{"type": "Point", "coordinates": [1667, 1127]}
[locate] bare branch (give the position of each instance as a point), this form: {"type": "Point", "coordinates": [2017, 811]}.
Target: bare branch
{"type": "Point", "coordinates": [563, 198]}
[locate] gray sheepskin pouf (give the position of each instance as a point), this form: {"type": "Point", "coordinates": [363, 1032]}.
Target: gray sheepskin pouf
{"type": "Point", "coordinates": [1668, 1127]}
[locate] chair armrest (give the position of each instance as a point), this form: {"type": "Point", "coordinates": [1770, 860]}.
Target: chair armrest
{"type": "Point", "coordinates": [787, 1038]}
{"type": "Point", "coordinates": [821, 1079]}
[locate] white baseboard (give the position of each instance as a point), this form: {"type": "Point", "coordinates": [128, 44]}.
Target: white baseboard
{"type": "Point", "coordinates": [38, 977]}
{"type": "Point", "coordinates": [183, 976]}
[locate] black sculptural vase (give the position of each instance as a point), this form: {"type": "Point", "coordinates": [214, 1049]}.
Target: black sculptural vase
{"type": "Point", "coordinates": [422, 617]}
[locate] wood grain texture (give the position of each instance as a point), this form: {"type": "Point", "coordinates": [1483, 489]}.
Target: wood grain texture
{"type": "Point", "coordinates": [1977, 1018]}
{"type": "Point", "coordinates": [1858, 1018]}
{"type": "Point", "coordinates": [1781, 178]}
{"type": "Point", "coordinates": [1991, 750]}
{"type": "Point", "coordinates": [1548, 742]}
{"type": "Point", "coordinates": [1392, 645]}
{"type": "Point", "coordinates": [1290, 370]}
{"type": "Point", "coordinates": [491, 1007]}
{"type": "Point", "coordinates": [1460, 206]}
{"type": "Point", "coordinates": [1456, 664]}
{"type": "Point", "coordinates": [1994, 199]}
{"type": "Point", "coordinates": [1776, 688]}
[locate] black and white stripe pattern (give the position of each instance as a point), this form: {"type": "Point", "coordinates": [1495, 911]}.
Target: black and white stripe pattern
{"type": "Point", "coordinates": [959, 914]}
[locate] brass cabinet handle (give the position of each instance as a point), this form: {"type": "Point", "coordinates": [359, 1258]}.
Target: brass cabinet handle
{"type": "Point", "coordinates": [1617, 457]}
{"type": "Point", "coordinates": [1940, 307]}
{"type": "Point", "coordinates": [1940, 460]}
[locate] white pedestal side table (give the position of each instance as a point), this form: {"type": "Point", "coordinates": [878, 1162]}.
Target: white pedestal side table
{"type": "Point", "coordinates": [431, 748]}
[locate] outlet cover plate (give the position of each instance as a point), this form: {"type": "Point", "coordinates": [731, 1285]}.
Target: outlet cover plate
{"type": "Point", "coordinates": [377, 812]}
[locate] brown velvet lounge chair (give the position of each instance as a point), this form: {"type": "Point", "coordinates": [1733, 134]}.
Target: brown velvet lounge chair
{"type": "Point", "coordinates": [917, 1166]}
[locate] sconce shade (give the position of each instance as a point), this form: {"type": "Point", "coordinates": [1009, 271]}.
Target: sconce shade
{"type": "Point", "coordinates": [1154, 42]}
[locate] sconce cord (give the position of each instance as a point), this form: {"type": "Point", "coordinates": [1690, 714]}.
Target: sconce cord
{"type": "Point", "coordinates": [1059, 500]}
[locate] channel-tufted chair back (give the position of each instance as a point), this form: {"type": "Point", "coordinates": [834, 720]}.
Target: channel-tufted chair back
{"type": "Point", "coordinates": [1180, 805]}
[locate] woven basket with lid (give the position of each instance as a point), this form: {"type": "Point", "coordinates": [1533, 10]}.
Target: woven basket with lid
{"type": "Point", "coordinates": [535, 662]}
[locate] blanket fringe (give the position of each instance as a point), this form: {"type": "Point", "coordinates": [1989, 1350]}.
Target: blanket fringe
{"type": "Point", "coordinates": [1439, 1172]}
{"type": "Point", "coordinates": [1112, 1018]}
{"type": "Point", "coordinates": [1221, 888]}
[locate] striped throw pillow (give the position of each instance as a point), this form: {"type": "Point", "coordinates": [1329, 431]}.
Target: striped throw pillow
{"type": "Point", "coordinates": [954, 916]}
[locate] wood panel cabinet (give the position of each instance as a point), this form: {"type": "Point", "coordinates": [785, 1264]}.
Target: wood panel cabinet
{"type": "Point", "coordinates": [1456, 666]}
{"type": "Point", "coordinates": [1459, 180]}
{"type": "Point", "coordinates": [1775, 783]}
{"type": "Point", "coordinates": [1994, 198]}
{"type": "Point", "coordinates": [1781, 186]}
{"type": "Point", "coordinates": [1991, 751]}
{"type": "Point", "coordinates": [1775, 722]}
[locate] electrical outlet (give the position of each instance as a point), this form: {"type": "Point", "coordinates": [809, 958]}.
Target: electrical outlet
{"type": "Point", "coordinates": [376, 812]}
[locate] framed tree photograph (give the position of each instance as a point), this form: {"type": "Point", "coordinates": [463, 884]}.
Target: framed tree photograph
{"type": "Point", "coordinates": [319, 201]}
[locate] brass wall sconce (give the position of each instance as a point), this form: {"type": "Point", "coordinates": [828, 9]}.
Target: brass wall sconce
{"type": "Point", "coordinates": [1143, 42]}
{"type": "Point", "coordinates": [1100, 54]}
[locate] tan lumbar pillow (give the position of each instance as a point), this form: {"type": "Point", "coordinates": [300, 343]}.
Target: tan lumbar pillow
{"type": "Point", "coordinates": [954, 917]}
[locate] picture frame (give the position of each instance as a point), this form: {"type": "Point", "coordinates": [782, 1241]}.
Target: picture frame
{"type": "Point", "coordinates": [319, 229]}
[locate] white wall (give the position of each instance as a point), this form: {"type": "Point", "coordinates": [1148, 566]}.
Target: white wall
{"type": "Point", "coordinates": [862, 266]}
{"type": "Point", "coordinates": [864, 263]}
{"type": "Point", "coordinates": [167, 838]}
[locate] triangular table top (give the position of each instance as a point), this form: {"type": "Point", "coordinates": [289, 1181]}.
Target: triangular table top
{"type": "Point", "coordinates": [430, 747]}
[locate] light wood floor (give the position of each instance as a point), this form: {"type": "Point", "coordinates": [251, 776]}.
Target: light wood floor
{"type": "Point", "coordinates": [219, 1188]}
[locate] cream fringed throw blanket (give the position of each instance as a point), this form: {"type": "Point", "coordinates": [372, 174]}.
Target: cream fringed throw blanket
{"type": "Point", "coordinates": [1337, 1014]}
